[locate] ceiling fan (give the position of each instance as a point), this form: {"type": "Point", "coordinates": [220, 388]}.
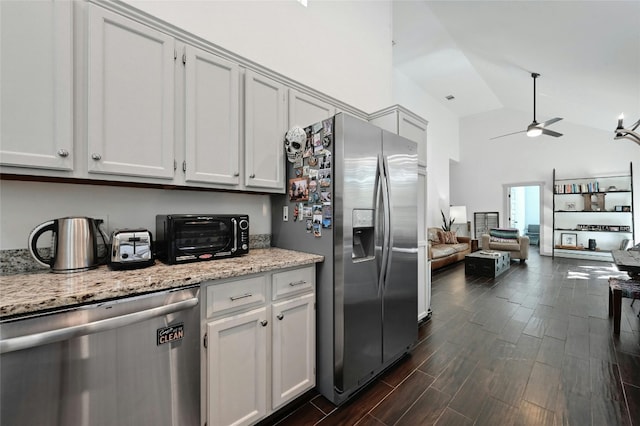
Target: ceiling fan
{"type": "Point", "coordinates": [536, 129]}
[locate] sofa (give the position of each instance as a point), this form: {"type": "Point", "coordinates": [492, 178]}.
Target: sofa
{"type": "Point", "coordinates": [446, 248]}
{"type": "Point", "coordinates": [507, 239]}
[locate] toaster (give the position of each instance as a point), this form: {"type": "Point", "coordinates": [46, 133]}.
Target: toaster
{"type": "Point", "coordinates": [131, 248]}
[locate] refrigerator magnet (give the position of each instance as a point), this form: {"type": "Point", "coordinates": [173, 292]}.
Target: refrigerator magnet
{"type": "Point", "coordinates": [317, 230]}
{"type": "Point", "coordinates": [298, 189]}
{"type": "Point", "coordinates": [313, 161]}
{"type": "Point", "coordinates": [327, 126]}
{"type": "Point", "coordinates": [313, 185]}
{"type": "Point", "coordinates": [309, 226]}
{"type": "Point", "coordinates": [307, 213]}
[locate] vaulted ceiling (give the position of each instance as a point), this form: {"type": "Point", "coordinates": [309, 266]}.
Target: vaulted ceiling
{"type": "Point", "coordinates": [483, 53]}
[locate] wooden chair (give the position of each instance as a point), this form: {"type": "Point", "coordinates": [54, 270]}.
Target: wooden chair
{"type": "Point", "coordinates": [619, 288]}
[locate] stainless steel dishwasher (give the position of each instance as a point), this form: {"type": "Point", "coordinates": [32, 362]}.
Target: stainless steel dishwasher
{"type": "Point", "coordinates": [132, 361]}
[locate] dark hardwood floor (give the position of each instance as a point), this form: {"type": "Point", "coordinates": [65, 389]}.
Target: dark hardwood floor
{"type": "Point", "coordinates": [534, 346]}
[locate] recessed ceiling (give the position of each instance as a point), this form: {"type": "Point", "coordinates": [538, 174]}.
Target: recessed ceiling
{"type": "Point", "coordinates": [483, 53]}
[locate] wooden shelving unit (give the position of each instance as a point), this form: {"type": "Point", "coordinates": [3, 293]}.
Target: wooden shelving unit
{"type": "Point", "coordinates": [588, 210]}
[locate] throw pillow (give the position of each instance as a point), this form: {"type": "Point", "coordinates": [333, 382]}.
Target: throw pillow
{"type": "Point", "coordinates": [508, 233]}
{"type": "Point", "coordinates": [450, 237]}
{"type": "Point", "coordinates": [432, 235]}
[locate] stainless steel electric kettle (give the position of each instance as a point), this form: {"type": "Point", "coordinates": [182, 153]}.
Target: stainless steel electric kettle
{"type": "Point", "coordinates": [74, 244]}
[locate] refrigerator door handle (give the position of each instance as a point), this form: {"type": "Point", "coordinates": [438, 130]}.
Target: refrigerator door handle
{"type": "Point", "coordinates": [387, 209]}
{"type": "Point", "coordinates": [386, 224]}
{"type": "Point", "coordinates": [378, 233]}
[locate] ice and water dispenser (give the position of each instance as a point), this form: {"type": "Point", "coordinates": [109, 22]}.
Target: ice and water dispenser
{"type": "Point", "coordinates": [363, 221]}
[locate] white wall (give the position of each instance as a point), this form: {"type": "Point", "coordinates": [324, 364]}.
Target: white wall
{"type": "Point", "coordinates": [341, 48]}
{"type": "Point", "coordinates": [442, 143]}
{"type": "Point", "coordinates": [485, 166]}
{"type": "Point", "coordinates": [27, 204]}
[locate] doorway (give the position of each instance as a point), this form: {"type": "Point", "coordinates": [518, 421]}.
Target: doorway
{"type": "Point", "coordinates": [523, 207]}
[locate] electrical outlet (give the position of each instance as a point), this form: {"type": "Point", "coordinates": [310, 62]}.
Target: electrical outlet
{"type": "Point", "coordinates": [285, 213]}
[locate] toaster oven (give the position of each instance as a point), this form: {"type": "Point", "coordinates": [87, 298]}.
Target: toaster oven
{"type": "Point", "coordinates": [182, 238]}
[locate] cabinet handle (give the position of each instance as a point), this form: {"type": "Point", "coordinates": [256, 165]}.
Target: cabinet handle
{"type": "Point", "coordinates": [96, 156]}
{"type": "Point", "coordinates": [236, 174]}
{"type": "Point", "coordinates": [280, 316]}
{"type": "Point", "coordinates": [63, 153]}
{"type": "Point", "coordinates": [264, 323]}
{"type": "Point", "coordinates": [295, 283]}
{"type": "Point", "coordinates": [234, 298]}
{"type": "Point", "coordinates": [252, 175]}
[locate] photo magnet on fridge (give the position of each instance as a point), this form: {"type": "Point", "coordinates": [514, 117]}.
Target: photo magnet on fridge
{"type": "Point", "coordinates": [298, 189]}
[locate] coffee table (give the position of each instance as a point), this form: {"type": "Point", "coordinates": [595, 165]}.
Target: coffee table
{"type": "Point", "coordinates": [487, 263]}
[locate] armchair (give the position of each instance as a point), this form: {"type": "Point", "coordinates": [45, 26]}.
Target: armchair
{"type": "Point", "coordinates": [507, 240]}
{"type": "Point", "coordinates": [533, 232]}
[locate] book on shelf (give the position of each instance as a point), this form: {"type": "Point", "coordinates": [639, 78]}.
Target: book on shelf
{"type": "Point", "coordinates": [577, 188]}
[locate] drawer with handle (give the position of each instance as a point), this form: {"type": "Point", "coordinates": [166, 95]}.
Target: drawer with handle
{"type": "Point", "coordinates": [293, 281]}
{"type": "Point", "coordinates": [236, 294]}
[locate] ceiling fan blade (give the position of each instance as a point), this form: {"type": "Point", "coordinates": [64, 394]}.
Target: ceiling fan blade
{"type": "Point", "coordinates": [550, 121]}
{"type": "Point", "coordinates": [550, 133]}
{"type": "Point", "coordinates": [508, 134]}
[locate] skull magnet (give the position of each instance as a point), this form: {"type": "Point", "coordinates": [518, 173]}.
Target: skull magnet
{"type": "Point", "coordinates": [294, 142]}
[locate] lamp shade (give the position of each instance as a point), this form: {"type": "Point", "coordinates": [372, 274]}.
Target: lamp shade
{"type": "Point", "coordinates": [459, 213]}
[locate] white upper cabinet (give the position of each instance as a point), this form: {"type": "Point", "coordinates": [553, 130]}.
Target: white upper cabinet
{"type": "Point", "coordinates": [305, 110]}
{"type": "Point", "coordinates": [130, 97]}
{"type": "Point", "coordinates": [212, 145]}
{"type": "Point", "coordinates": [398, 120]}
{"type": "Point", "coordinates": [36, 82]}
{"type": "Point", "coordinates": [415, 130]}
{"type": "Point", "coordinates": [265, 127]}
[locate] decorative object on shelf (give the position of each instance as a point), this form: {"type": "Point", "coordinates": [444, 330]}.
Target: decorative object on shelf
{"type": "Point", "coordinates": [570, 206]}
{"type": "Point", "coordinates": [570, 240]}
{"type": "Point", "coordinates": [592, 244]}
{"type": "Point", "coordinates": [622, 133]}
{"type": "Point", "coordinates": [594, 202]}
{"type": "Point", "coordinates": [536, 129]}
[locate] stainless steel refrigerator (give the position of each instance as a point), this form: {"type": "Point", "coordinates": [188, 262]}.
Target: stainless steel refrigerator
{"type": "Point", "coordinates": [364, 222]}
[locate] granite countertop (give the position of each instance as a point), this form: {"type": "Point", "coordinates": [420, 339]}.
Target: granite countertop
{"type": "Point", "coordinates": [26, 294]}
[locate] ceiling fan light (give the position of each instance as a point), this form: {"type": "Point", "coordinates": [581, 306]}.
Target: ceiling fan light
{"type": "Point", "coordinates": [532, 132]}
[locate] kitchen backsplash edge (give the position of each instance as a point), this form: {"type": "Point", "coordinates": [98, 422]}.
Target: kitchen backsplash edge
{"type": "Point", "coordinates": [20, 261]}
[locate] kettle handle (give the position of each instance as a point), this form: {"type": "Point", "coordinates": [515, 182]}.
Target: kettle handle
{"type": "Point", "coordinates": [33, 239]}
{"type": "Point", "coordinates": [105, 239]}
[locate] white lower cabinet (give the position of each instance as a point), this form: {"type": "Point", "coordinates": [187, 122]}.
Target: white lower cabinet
{"type": "Point", "coordinates": [259, 344]}
{"type": "Point", "coordinates": [293, 350]}
{"type": "Point", "coordinates": [237, 368]}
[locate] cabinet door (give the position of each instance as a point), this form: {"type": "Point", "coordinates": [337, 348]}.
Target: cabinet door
{"type": "Point", "coordinates": [264, 132]}
{"type": "Point", "coordinates": [237, 369]}
{"type": "Point", "coordinates": [130, 97]}
{"type": "Point", "coordinates": [36, 82]}
{"type": "Point", "coordinates": [416, 131]}
{"type": "Point", "coordinates": [305, 110]}
{"type": "Point", "coordinates": [211, 118]}
{"type": "Point", "coordinates": [293, 370]}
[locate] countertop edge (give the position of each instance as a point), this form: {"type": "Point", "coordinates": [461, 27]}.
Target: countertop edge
{"type": "Point", "coordinates": [26, 295]}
